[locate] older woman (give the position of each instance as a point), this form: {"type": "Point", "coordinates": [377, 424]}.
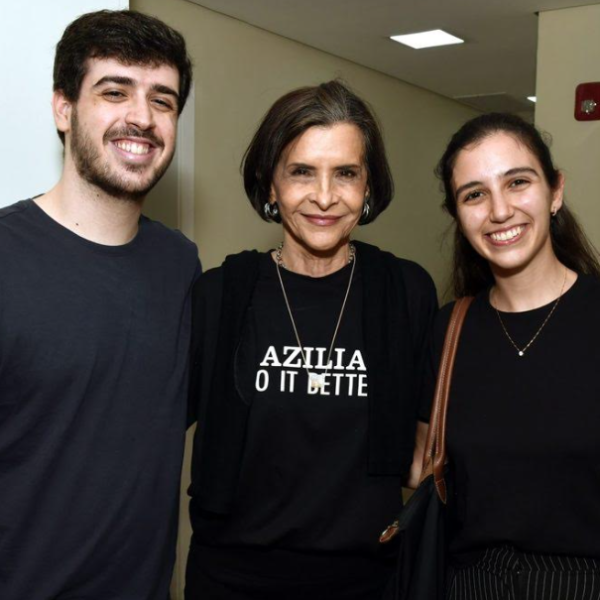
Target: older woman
{"type": "Point", "coordinates": [524, 409]}
{"type": "Point", "coordinates": [306, 369]}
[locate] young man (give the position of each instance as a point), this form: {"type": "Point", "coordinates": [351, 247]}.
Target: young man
{"type": "Point", "coordinates": [94, 330]}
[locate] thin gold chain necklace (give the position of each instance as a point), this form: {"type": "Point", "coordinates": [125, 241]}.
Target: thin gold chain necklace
{"type": "Point", "coordinates": [316, 380]}
{"type": "Point", "coordinates": [521, 351]}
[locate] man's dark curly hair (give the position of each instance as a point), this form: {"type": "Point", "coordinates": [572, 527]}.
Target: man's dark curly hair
{"type": "Point", "coordinates": [127, 36]}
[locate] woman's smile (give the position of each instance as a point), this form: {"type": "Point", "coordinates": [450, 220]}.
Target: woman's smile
{"type": "Point", "coordinates": [320, 186]}
{"type": "Point", "coordinates": [504, 202]}
{"type": "Point", "coordinates": [507, 236]}
{"type": "Point", "coordinates": [321, 220]}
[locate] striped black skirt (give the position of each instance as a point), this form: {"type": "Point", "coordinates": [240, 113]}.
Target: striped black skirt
{"type": "Point", "coordinates": [507, 574]}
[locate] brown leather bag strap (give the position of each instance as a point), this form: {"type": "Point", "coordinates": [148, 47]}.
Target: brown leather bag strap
{"type": "Point", "coordinates": [434, 458]}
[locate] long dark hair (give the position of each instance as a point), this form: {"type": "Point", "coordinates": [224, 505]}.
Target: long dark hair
{"type": "Point", "coordinates": [471, 273]}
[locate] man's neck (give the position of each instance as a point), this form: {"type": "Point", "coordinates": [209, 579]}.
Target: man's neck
{"type": "Point", "coordinates": [91, 213]}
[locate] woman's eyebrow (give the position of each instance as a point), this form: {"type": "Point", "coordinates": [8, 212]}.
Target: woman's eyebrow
{"type": "Point", "coordinates": [466, 186]}
{"type": "Point", "coordinates": [509, 173]}
{"type": "Point", "coordinates": [518, 170]}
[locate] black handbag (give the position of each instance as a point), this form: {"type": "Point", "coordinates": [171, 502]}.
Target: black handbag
{"type": "Point", "coordinates": [421, 524]}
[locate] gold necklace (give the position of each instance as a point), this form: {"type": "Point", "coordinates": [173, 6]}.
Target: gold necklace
{"type": "Point", "coordinates": [316, 380]}
{"type": "Point", "coordinates": [521, 351]}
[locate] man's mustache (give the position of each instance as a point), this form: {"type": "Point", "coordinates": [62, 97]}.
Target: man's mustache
{"type": "Point", "coordinates": [133, 132]}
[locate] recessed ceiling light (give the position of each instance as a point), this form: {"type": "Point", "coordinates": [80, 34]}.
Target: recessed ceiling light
{"type": "Point", "coordinates": [427, 39]}
{"type": "Point", "coordinates": [532, 98]}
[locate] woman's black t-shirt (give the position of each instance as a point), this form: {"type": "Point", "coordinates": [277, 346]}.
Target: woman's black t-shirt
{"type": "Point", "coordinates": [304, 485]}
{"type": "Point", "coordinates": [523, 432]}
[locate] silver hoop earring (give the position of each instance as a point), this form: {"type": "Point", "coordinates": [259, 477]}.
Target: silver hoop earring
{"type": "Point", "coordinates": [366, 211]}
{"type": "Point", "coordinates": [271, 211]}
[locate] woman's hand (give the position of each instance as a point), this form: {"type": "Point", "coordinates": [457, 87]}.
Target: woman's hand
{"type": "Point", "coordinates": [417, 463]}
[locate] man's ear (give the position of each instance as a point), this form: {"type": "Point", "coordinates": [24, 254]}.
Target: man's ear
{"type": "Point", "coordinates": [62, 110]}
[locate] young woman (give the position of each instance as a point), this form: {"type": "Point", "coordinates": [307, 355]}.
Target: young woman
{"type": "Point", "coordinates": [307, 362]}
{"type": "Point", "coordinates": [524, 410]}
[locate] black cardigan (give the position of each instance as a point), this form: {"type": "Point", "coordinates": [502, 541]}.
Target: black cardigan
{"type": "Point", "coordinates": [399, 303]}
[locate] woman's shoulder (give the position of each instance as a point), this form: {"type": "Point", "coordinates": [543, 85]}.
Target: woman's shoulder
{"type": "Point", "coordinates": [412, 289]}
{"type": "Point", "coordinates": [210, 281]}
{"type": "Point", "coordinates": [446, 311]}
{"type": "Point", "coordinates": [414, 275]}
{"type": "Point", "coordinates": [421, 293]}
{"type": "Point", "coordinates": [234, 265]}
{"type": "Point", "coordinates": [419, 286]}
{"type": "Point", "coordinates": [588, 286]}
{"type": "Point", "coordinates": [443, 316]}
{"type": "Point", "coordinates": [583, 298]}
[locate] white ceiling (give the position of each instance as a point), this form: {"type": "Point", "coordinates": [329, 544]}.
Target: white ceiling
{"type": "Point", "coordinates": [497, 60]}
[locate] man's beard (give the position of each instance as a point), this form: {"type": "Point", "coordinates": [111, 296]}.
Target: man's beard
{"type": "Point", "coordinates": [90, 167]}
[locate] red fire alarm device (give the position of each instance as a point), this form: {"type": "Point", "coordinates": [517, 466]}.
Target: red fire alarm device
{"type": "Point", "coordinates": [587, 101]}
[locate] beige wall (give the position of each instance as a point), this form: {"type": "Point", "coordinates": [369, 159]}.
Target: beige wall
{"type": "Point", "coordinates": [569, 54]}
{"type": "Point", "coordinates": [240, 70]}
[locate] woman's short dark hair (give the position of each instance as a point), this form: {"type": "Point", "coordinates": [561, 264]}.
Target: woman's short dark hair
{"type": "Point", "coordinates": [296, 112]}
{"type": "Point", "coordinates": [471, 273]}
{"type": "Point", "coordinates": [127, 36]}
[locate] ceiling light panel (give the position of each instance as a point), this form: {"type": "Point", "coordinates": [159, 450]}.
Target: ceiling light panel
{"type": "Point", "coordinates": [427, 39]}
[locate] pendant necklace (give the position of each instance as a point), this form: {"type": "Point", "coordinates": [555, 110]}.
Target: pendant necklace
{"type": "Point", "coordinates": [521, 351]}
{"type": "Point", "coordinates": [316, 380]}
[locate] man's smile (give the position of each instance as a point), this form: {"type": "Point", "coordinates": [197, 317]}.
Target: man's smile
{"type": "Point", "coordinates": [133, 147]}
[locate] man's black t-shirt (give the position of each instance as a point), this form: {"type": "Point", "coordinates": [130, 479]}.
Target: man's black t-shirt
{"type": "Point", "coordinates": [523, 431]}
{"type": "Point", "coordinates": [93, 376]}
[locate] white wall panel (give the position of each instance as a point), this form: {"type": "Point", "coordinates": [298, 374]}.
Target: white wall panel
{"type": "Point", "coordinates": [568, 51]}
